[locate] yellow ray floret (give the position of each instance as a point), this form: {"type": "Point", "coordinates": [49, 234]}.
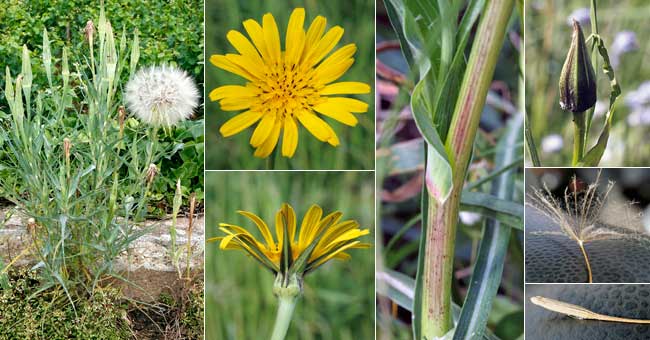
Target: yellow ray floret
{"type": "Point", "coordinates": [318, 240]}
{"type": "Point", "coordinates": [288, 87]}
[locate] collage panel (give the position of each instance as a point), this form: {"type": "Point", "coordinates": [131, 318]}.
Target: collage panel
{"type": "Point", "coordinates": [587, 225]}
{"type": "Point", "coordinates": [326, 272]}
{"type": "Point", "coordinates": [587, 311]}
{"type": "Point", "coordinates": [450, 170]}
{"type": "Point", "coordinates": [290, 84]}
{"type": "Point", "coordinates": [101, 170]}
{"type": "Point", "coordinates": [587, 83]}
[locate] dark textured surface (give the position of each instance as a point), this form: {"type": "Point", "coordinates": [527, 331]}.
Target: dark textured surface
{"type": "Point", "coordinates": [629, 301]}
{"type": "Point", "coordinates": [557, 258]}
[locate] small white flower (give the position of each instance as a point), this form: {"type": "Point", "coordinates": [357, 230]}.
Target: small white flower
{"type": "Point", "coordinates": [552, 143]}
{"type": "Point", "coordinates": [469, 218]}
{"type": "Point", "coordinates": [161, 95]}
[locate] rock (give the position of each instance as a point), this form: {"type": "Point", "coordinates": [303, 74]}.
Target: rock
{"type": "Point", "coordinates": [147, 263]}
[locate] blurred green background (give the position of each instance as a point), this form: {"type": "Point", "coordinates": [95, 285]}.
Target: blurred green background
{"type": "Point", "coordinates": [357, 143]}
{"type": "Point", "coordinates": [338, 301]}
{"type": "Point", "coordinates": [623, 24]}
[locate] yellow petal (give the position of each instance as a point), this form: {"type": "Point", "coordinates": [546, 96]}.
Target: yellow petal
{"type": "Point", "coordinates": [290, 137]}
{"type": "Point", "coordinates": [231, 228]}
{"type": "Point", "coordinates": [336, 112]}
{"type": "Point", "coordinates": [248, 64]}
{"type": "Point", "coordinates": [342, 54]}
{"type": "Point", "coordinates": [235, 104]}
{"type": "Point", "coordinates": [295, 36]}
{"type": "Point", "coordinates": [271, 37]}
{"type": "Point", "coordinates": [263, 130]}
{"type": "Point", "coordinates": [271, 141]}
{"type": "Point", "coordinates": [314, 34]}
{"type": "Point", "coordinates": [330, 256]}
{"type": "Point", "coordinates": [329, 220]}
{"type": "Point", "coordinates": [261, 225]}
{"type": "Point", "coordinates": [222, 62]}
{"type": "Point", "coordinates": [286, 214]}
{"type": "Point", "coordinates": [235, 91]}
{"type": "Point", "coordinates": [243, 46]}
{"type": "Point", "coordinates": [256, 33]}
{"type": "Point", "coordinates": [308, 226]}
{"type": "Point", "coordinates": [239, 122]}
{"type": "Point", "coordinates": [346, 87]}
{"type": "Point", "coordinates": [315, 126]}
{"type": "Point", "coordinates": [351, 104]}
{"type": "Point", "coordinates": [325, 45]}
{"type": "Point", "coordinates": [333, 72]}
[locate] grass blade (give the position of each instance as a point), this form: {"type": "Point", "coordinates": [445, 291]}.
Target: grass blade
{"type": "Point", "coordinates": [504, 211]}
{"type": "Point", "coordinates": [486, 277]}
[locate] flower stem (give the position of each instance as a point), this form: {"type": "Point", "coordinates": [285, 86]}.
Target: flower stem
{"type": "Point", "coordinates": [579, 136]}
{"type": "Point", "coordinates": [283, 318]}
{"type": "Point", "coordinates": [442, 215]}
{"type": "Point", "coordinates": [584, 253]}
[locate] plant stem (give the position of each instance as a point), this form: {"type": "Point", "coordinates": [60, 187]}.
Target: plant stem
{"type": "Point", "coordinates": [579, 136]}
{"type": "Point", "coordinates": [584, 253]}
{"type": "Point", "coordinates": [283, 318]}
{"type": "Point", "coordinates": [438, 266]}
{"type": "Point", "coordinates": [443, 215]}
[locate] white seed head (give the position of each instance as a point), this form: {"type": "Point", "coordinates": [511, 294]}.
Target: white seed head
{"type": "Point", "coordinates": [161, 95]}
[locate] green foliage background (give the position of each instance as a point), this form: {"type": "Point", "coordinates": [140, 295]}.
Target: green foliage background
{"type": "Point", "coordinates": [338, 301]}
{"type": "Point", "coordinates": [357, 143]}
{"type": "Point", "coordinates": [170, 32]}
{"type": "Point", "coordinates": [548, 37]}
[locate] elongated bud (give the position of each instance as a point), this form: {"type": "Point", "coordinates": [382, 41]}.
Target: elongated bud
{"type": "Point", "coordinates": [151, 173]}
{"type": "Point", "coordinates": [66, 148]}
{"type": "Point", "coordinates": [89, 31]}
{"type": "Point", "coordinates": [578, 79]}
{"type": "Point", "coordinates": [121, 118]}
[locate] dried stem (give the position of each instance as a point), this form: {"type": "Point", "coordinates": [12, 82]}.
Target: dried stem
{"type": "Point", "coordinates": [579, 312]}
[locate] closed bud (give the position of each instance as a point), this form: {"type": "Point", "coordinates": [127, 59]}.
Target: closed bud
{"type": "Point", "coordinates": [66, 148]}
{"type": "Point", "coordinates": [578, 79]}
{"type": "Point", "coordinates": [89, 31]}
{"type": "Point", "coordinates": [151, 173]}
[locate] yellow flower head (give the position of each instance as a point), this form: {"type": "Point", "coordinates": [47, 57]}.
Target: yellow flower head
{"type": "Point", "coordinates": [319, 239]}
{"type": "Point", "coordinates": [290, 86]}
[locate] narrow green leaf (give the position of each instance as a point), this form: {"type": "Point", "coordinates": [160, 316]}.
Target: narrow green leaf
{"type": "Point", "coordinates": [135, 53]}
{"type": "Point", "coordinates": [47, 57]}
{"type": "Point", "coordinates": [400, 290]}
{"type": "Point", "coordinates": [27, 70]}
{"type": "Point", "coordinates": [9, 89]}
{"type": "Point", "coordinates": [287, 259]}
{"type": "Point", "coordinates": [488, 268]}
{"type": "Point", "coordinates": [506, 212]}
{"type": "Point", "coordinates": [395, 10]}
{"type": "Point", "coordinates": [438, 174]}
{"type": "Point", "coordinates": [65, 70]}
{"type": "Point", "coordinates": [593, 156]}
{"type": "Point", "coordinates": [419, 278]}
{"type": "Point", "coordinates": [516, 163]}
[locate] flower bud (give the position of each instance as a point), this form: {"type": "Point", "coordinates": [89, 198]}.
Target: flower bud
{"type": "Point", "coordinates": [578, 79]}
{"type": "Point", "coordinates": [89, 31]}
{"type": "Point", "coordinates": [152, 171]}
{"type": "Point", "coordinates": [66, 148]}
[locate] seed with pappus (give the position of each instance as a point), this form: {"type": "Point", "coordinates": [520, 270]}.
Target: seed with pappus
{"type": "Point", "coordinates": [162, 95]}
{"type": "Point", "coordinates": [578, 79]}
